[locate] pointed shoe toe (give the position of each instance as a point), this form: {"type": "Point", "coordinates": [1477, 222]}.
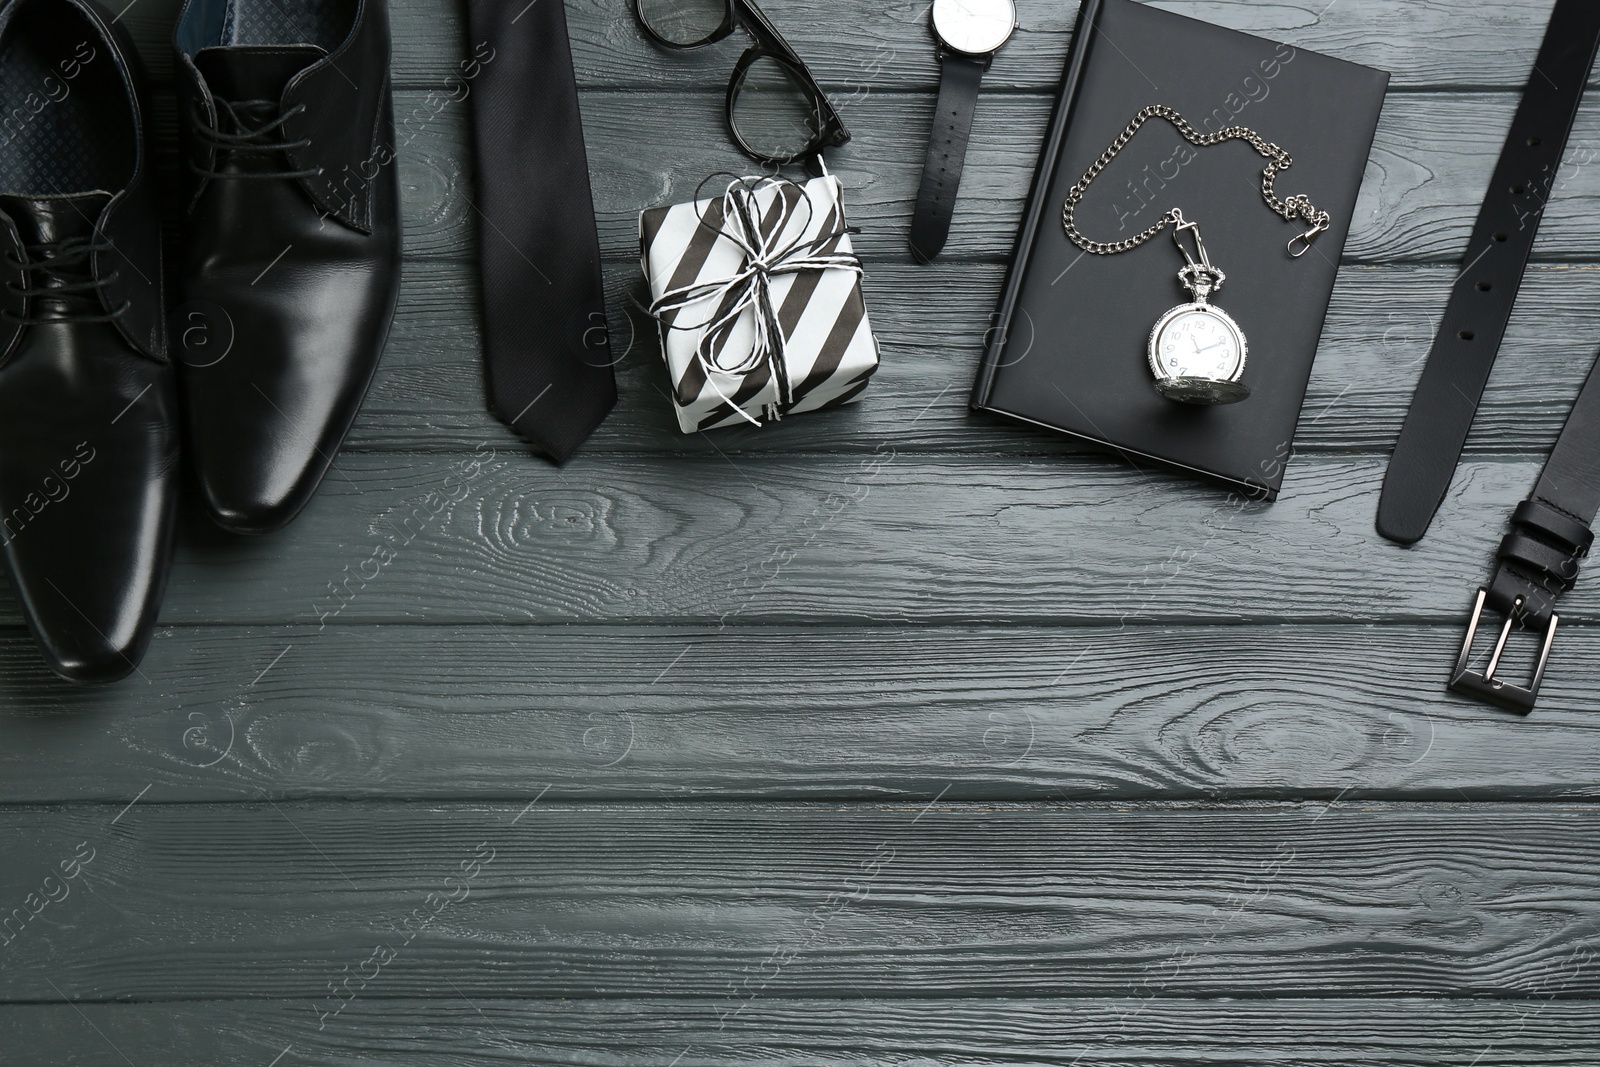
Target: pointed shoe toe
{"type": "Point", "coordinates": [88, 400]}
{"type": "Point", "coordinates": [291, 243]}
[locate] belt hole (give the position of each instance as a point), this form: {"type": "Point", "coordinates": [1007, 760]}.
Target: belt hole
{"type": "Point", "coordinates": [1533, 142]}
{"type": "Point", "coordinates": [1518, 190]}
{"type": "Point", "coordinates": [1465, 335]}
{"type": "Point", "coordinates": [1484, 287]}
{"type": "Point", "coordinates": [1500, 237]}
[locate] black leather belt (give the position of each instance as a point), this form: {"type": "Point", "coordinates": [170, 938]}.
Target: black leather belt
{"type": "Point", "coordinates": [1480, 304]}
{"type": "Point", "coordinates": [1538, 559]}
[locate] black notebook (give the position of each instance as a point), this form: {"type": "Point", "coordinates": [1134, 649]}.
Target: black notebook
{"type": "Point", "coordinates": [1069, 350]}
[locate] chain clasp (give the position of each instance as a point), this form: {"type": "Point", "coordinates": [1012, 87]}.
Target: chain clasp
{"type": "Point", "coordinates": [1305, 239]}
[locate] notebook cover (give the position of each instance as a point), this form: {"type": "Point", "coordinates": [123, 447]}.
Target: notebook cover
{"type": "Point", "coordinates": [1069, 348]}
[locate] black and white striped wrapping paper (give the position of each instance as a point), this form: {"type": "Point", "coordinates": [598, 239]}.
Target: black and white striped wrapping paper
{"type": "Point", "coordinates": [828, 351]}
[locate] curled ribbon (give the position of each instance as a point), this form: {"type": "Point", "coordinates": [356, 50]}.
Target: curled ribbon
{"type": "Point", "coordinates": [766, 255]}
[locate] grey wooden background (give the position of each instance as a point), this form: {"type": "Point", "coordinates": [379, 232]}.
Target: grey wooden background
{"type": "Point", "coordinates": [1017, 756]}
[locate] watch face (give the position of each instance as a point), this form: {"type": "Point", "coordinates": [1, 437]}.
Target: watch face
{"type": "Point", "coordinates": [976, 27]}
{"type": "Point", "coordinates": [1197, 341]}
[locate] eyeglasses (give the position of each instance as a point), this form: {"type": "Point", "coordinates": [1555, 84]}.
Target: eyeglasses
{"type": "Point", "coordinates": [776, 110]}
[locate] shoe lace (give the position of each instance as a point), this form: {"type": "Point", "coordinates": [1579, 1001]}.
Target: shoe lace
{"type": "Point", "coordinates": [244, 127]}
{"type": "Point", "coordinates": [63, 268]}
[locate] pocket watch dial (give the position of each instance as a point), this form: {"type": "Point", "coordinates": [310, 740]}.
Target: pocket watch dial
{"type": "Point", "coordinates": [1197, 343]}
{"type": "Point", "coordinates": [976, 27]}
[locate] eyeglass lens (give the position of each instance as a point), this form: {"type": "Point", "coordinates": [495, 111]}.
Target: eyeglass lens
{"type": "Point", "coordinates": [683, 22]}
{"type": "Point", "coordinates": [773, 112]}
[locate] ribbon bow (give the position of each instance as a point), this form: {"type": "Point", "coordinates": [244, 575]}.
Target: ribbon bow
{"type": "Point", "coordinates": [766, 255]}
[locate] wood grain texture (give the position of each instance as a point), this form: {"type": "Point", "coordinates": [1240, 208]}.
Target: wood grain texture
{"type": "Point", "coordinates": [1203, 800]}
{"type": "Point", "coordinates": [604, 713]}
{"type": "Point", "coordinates": [879, 539]}
{"type": "Point", "coordinates": [931, 322]}
{"type": "Point", "coordinates": [1328, 898]}
{"type": "Point", "coordinates": [1485, 44]}
{"type": "Point", "coordinates": [1430, 164]}
{"type": "Point", "coordinates": [452, 1031]}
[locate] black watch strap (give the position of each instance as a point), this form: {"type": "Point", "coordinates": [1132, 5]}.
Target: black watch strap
{"type": "Point", "coordinates": [1538, 559]}
{"type": "Point", "coordinates": [959, 76]}
{"type": "Point", "coordinates": [1475, 318]}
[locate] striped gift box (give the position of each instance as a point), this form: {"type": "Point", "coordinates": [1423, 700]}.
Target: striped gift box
{"type": "Point", "coordinates": [755, 326]}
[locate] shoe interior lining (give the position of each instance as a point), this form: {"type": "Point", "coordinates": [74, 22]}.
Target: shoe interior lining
{"type": "Point", "coordinates": [65, 122]}
{"type": "Point", "coordinates": [283, 22]}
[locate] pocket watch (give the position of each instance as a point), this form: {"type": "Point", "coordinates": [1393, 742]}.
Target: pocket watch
{"type": "Point", "coordinates": [1197, 352]}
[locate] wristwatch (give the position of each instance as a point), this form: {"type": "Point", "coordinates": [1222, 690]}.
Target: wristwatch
{"type": "Point", "coordinates": [969, 33]}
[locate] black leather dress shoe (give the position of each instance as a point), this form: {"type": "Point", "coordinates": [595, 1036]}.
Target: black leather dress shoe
{"type": "Point", "coordinates": [88, 407]}
{"type": "Point", "coordinates": [292, 242]}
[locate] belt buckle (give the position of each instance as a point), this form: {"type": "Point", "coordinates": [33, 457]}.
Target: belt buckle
{"type": "Point", "coordinates": [1484, 685]}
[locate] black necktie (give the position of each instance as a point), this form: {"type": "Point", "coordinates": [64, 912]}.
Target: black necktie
{"type": "Point", "coordinates": [547, 356]}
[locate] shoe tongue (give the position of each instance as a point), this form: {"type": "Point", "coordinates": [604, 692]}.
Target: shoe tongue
{"type": "Point", "coordinates": [51, 218]}
{"type": "Point", "coordinates": [254, 72]}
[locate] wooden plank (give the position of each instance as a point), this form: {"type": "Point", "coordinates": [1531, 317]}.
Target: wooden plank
{"type": "Point", "coordinates": [1488, 43]}
{"type": "Point", "coordinates": [452, 1031]}
{"type": "Point", "coordinates": [1485, 44]}
{"type": "Point", "coordinates": [974, 713]}
{"type": "Point", "coordinates": [1431, 160]}
{"type": "Point", "coordinates": [428, 395]}
{"type": "Point", "coordinates": [555, 899]}
{"type": "Point", "coordinates": [882, 539]}
{"type": "Point", "coordinates": [938, 580]}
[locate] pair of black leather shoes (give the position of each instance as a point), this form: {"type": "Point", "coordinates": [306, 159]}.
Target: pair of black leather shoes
{"type": "Point", "coordinates": [285, 292]}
